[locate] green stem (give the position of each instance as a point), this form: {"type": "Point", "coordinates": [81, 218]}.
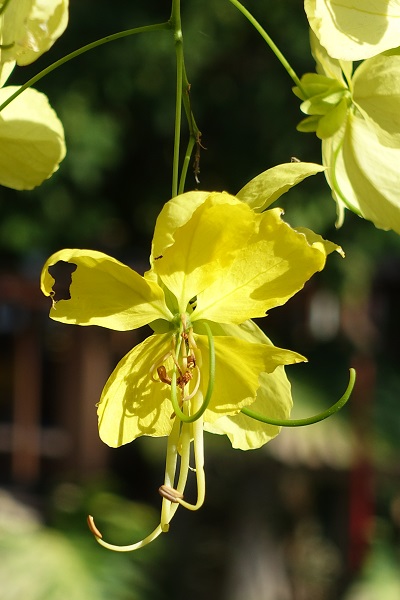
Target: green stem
{"type": "Point", "coordinates": [75, 53]}
{"type": "Point", "coordinates": [185, 166]}
{"type": "Point", "coordinates": [195, 134]}
{"type": "Point", "coordinates": [176, 25]}
{"type": "Point", "coordinates": [170, 470]}
{"type": "Point", "coordinates": [310, 420]}
{"type": "Point", "coordinates": [269, 41]}
{"type": "Point", "coordinates": [4, 6]}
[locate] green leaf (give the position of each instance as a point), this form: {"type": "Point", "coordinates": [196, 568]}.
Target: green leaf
{"type": "Point", "coordinates": [330, 123]}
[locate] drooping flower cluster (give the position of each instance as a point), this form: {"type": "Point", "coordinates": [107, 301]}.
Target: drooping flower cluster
{"type": "Point", "coordinates": [215, 264]}
{"type": "Point", "coordinates": [357, 117]}
{"type": "Point", "coordinates": [31, 135]}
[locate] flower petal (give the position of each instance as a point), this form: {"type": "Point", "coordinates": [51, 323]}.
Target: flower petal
{"type": "Point", "coordinates": [376, 92]}
{"type": "Point", "coordinates": [103, 292]}
{"type": "Point", "coordinates": [31, 138]}
{"type": "Point", "coordinates": [273, 265]}
{"type": "Point", "coordinates": [364, 174]}
{"type": "Point", "coordinates": [175, 213]}
{"type": "Point", "coordinates": [32, 27]}
{"type": "Point", "coordinates": [238, 366]}
{"type": "Point", "coordinates": [355, 30]}
{"type": "Point", "coordinates": [204, 246]}
{"type": "Point", "coordinates": [264, 189]}
{"type": "Point", "coordinates": [328, 66]}
{"type": "Point", "coordinates": [132, 404]}
{"type": "Point", "coordinates": [5, 71]}
{"type": "Point", "coordinates": [273, 399]}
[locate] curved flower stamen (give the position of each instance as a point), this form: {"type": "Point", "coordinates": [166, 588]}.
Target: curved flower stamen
{"type": "Point", "coordinates": [339, 404]}
{"type": "Point", "coordinates": [198, 445]}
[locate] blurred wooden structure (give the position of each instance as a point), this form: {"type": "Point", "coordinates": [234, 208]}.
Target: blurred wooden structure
{"type": "Point", "coordinates": [51, 378]}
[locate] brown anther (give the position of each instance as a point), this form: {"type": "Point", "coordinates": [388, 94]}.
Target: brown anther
{"type": "Point", "coordinates": [162, 374]}
{"type": "Point", "coordinates": [191, 361]}
{"type": "Point", "coordinates": [92, 527]}
{"type": "Point", "coordinates": [184, 335]}
{"type": "Point", "coordinates": [184, 379]}
{"type": "Point", "coordinates": [170, 493]}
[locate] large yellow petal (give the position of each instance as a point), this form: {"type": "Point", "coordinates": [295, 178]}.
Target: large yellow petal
{"type": "Point", "coordinates": [274, 398]}
{"type": "Point", "coordinates": [5, 71]}
{"type": "Point", "coordinates": [364, 174]}
{"type": "Point", "coordinates": [31, 138]}
{"type": "Point", "coordinates": [376, 92]}
{"type": "Point", "coordinates": [263, 190]}
{"type": "Point", "coordinates": [31, 27]}
{"type": "Point", "coordinates": [103, 292]}
{"type": "Point", "coordinates": [352, 30]}
{"type": "Point", "coordinates": [273, 265]}
{"type": "Point", "coordinates": [175, 213]}
{"type": "Point", "coordinates": [132, 404]}
{"type": "Point", "coordinates": [204, 247]}
{"type": "Point", "coordinates": [338, 70]}
{"type": "Point", "coordinates": [238, 366]}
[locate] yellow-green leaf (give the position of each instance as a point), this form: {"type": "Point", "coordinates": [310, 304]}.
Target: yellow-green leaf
{"type": "Point", "coordinates": [330, 123]}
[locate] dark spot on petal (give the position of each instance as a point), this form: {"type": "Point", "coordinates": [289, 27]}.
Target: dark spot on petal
{"type": "Point", "coordinates": [62, 272]}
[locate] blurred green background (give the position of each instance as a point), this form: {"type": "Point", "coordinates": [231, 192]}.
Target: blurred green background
{"type": "Point", "coordinates": [316, 514]}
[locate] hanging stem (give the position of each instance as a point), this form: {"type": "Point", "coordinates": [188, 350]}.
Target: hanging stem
{"type": "Point", "coordinates": [4, 6]}
{"type": "Point", "coordinates": [75, 53]}
{"type": "Point", "coordinates": [309, 420]}
{"type": "Point", "coordinates": [269, 41]}
{"type": "Point", "coordinates": [185, 166]}
{"type": "Point", "coordinates": [176, 25]}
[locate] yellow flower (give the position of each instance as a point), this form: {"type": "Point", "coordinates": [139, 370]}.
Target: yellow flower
{"type": "Point", "coordinates": [351, 30]}
{"type": "Point", "coordinates": [30, 27]}
{"type": "Point", "coordinates": [215, 264]}
{"type": "Point", "coordinates": [357, 117]}
{"type": "Point", "coordinates": [31, 137]}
